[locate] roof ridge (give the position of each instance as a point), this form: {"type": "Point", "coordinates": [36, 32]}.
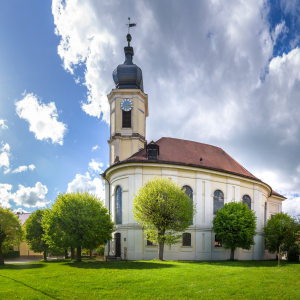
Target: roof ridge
{"type": "Point", "coordinates": [166, 137]}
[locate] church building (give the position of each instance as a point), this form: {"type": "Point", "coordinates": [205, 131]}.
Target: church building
{"type": "Point", "coordinates": [208, 174]}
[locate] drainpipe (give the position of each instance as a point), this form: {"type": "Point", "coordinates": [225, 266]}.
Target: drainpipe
{"type": "Point", "coordinates": [103, 176]}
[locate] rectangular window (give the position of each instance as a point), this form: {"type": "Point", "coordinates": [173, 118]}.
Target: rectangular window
{"type": "Point", "coordinates": [218, 242]}
{"type": "Point", "coordinates": [126, 119]}
{"type": "Point", "coordinates": [150, 243]}
{"type": "Point", "coordinates": [186, 239]}
{"type": "Point", "coordinates": [152, 153]}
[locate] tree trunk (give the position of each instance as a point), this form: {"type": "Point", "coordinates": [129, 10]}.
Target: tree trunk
{"type": "Point", "coordinates": [1, 256]}
{"type": "Point", "coordinates": [66, 254]}
{"type": "Point", "coordinates": [232, 254]}
{"type": "Point", "coordinates": [91, 254]}
{"type": "Point", "coordinates": [161, 246]}
{"type": "Point", "coordinates": [161, 251]}
{"type": "Point", "coordinates": [72, 253]}
{"type": "Point", "coordinates": [79, 254]}
{"type": "Point", "coordinates": [45, 255]}
{"type": "Point", "coordinates": [278, 254]}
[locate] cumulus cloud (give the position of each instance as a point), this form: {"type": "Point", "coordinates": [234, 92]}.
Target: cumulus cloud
{"type": "Point", "coordinates": [95, 166]}
{"type": "Point", "coordinates": [4, 157]}
{"type": "Point", "coordinates": [20, 169]}
{"type": "Point", "coordinates": [292, 204]}
{"type": "Point", "coordinates": [84, 40]}
{"type": "Point", "coordinates": [5, 194]}
{"type": "Point", "coordinates": [95, 148]}
{"type": "Point", "coordinates": [2, 124]}
{"type": "Point", "coordinates": [31, 196]}
{"type": "Point", "coordinates": [23, 168]}
{"type": "Point", "coordinates": [25, 196]}
{"type": "Point", "coordinates": [20, 210]}
{"type": "Point", "coordinates": [85, 183]}
{"type": "Point", "coordinates": [42, 119]}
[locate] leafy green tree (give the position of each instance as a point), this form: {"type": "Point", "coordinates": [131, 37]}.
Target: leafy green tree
{"type": "Point", "coordinates": [34, 232]}
{"type": "Point", "coordinates": [163, 210]}
{"type": "Point", "coordinates": [235, 225]}
{"type": "Point", "coordinates": [77, 220]}
{"type": "Point", "coordinates": [281, 230]}
{"type": "Point", "coordinates": [11, 232]}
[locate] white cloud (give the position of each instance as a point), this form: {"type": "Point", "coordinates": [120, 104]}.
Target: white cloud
{"type": "Point", "coordinates": [20, 169]}
{"type": "Point", "coordinates": [2, 125]}
{"type": "Point", "coordinates": [84, 41]}
{"type": "Point", "coordinates": [95, 148]}
{"type": "Point", "coordinates": [95, 166]}
{"type": "Point", "coordinates": [23, 168]}
{"type": "Point", "coordinates": [4, 157]}
{"type": "Point", "coordinates": [292, 204]}
{"type": "Point", "coordinates": [42, 119]}
{"type": "Point", "coordinates": [30, 197]}
{"type": "Point", "coordinates": [5, 194]}
{"type": "Point", "coordinates": [20, 210]}
{"type": "Point", "coordinates": [85, 183]}
{"type": "Point", "coordinates": [31, 167]}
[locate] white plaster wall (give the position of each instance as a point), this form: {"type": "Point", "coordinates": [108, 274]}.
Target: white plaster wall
{"type": "Point", "coordinates": [203, 185]}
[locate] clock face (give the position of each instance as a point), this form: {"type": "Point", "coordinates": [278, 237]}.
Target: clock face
{"type": "Point", "coordinates": [126, 105]}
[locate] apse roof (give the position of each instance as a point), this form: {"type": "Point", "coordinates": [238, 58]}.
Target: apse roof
{"type": "Point", "coordinates": [189, 153]}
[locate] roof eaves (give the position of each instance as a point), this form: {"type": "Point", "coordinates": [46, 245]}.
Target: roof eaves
{"type": "Point", "coordinates": [182, 164]}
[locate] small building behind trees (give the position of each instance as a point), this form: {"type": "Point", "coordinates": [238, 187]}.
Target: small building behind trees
{"type": "Point", "coordinates": [23, 248]}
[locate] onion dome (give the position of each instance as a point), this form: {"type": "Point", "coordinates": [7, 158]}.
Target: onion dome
{"type": "Point", "coordinates": [128, 75]}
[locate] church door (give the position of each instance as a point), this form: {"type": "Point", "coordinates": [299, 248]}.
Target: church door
{"type": "Point", "coordinates": [118, 244]}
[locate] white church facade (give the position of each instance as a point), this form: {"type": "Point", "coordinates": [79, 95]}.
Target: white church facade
{"type": "Point", "coordinates": [208, 174]}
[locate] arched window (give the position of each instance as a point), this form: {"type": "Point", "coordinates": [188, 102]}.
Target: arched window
{"type": "Point", "coordinates": [247, 200]}
{"type": "Point", "coordinates": [186, 239]}
{"type": "Point", "coordinates": [118, 207]}
{"type": "Point", "coordinates": [189, 192]}
{"type": "Point", "coordinates": [218, 200]}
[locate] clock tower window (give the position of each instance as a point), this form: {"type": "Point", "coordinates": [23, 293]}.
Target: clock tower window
{"type": "Point", "coordinates": [126, 119]}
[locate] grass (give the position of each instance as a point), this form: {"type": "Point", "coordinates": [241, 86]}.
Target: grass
{"type": "Point", "coordinates": [150, 280]}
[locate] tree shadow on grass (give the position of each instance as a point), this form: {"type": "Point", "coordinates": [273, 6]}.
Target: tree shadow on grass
{"type": "Point", "coordinates": [134, 265]}
{"type": "Point", "coordinates": [22, 266]}
{"type": "Point", "coordinates": [243, 263]}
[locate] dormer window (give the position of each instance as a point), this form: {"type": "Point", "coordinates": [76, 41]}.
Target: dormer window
{"type": "Point", "coordinates": [152, 151]}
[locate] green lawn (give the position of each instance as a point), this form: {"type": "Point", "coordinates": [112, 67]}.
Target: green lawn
{"type": "Point", "coordinates": [150, 280]}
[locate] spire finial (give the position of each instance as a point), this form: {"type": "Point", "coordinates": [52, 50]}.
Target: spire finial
{"type": "Point", "coordinates": [128, 35]}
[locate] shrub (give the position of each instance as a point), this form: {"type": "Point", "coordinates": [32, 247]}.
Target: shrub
{"type": "Point", "coordinates": [293, 254]}
{"type": "Point", "coordinates": [11, 254]}
{"type": "Point", "coordinates": [100, 250]}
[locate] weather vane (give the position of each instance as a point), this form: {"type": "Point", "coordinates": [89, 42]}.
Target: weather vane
{"type": "Point", "coordinates": [128, 35]}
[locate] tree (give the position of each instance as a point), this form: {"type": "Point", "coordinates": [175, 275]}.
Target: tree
{"type": "Point", "coordinates": [11, 232]}
{"type": "Point", "coordinates": [77, 220]}
{"type": "Point", "coordinates": [34, 232]}
{"type": "Point", "coordinates": [235, 225]}
{"type": "Point", "coordinates": [281, 230]}
{"type": "Point", "coordinates": [163, 209]}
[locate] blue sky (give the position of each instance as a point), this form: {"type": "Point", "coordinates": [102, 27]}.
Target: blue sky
{"type": "Point", "coordinates": [226, 74]}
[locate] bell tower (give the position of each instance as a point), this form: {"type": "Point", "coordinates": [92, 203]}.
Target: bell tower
{"type": "Point", "coordinates": [128, 109]}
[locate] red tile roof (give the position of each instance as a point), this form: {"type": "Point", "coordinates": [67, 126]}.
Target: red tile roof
{"type": "Point", "coordinates": [183, 152]}
{"type": "Point", "coordinates": [23, 217]}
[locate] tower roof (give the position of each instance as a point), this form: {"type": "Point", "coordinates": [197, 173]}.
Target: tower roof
{"type": "Point", "coordinates": [128, 75]}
